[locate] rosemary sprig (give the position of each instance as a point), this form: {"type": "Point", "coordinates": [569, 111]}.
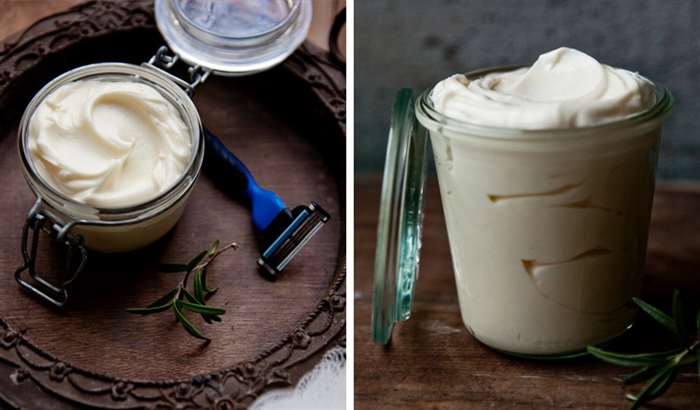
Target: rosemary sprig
{"type": "Point", "coordinates": [180, 299]}
{"type": "Point", "coordinates": [659, 368]}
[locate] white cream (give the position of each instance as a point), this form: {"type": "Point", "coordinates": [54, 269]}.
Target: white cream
{"type": "Point", "coordinates": [564, 88]}
{"type": "Point", "coordinates": [547, 237]}
{"type": "Point", "coordinates": [109, 144]}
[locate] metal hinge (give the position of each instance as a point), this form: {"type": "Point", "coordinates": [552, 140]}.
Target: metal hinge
{"type": "Point", "coordinates": [164, 60]}
{"type": "Point", "coordinates": [37, 222]}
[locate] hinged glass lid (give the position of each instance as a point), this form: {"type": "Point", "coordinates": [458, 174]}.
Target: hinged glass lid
{"type": "Point", "coordinates": [233, 37]}
{"type": "Point", "coordinates": [400, 220]}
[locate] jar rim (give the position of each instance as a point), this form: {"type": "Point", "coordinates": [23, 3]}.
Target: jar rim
{"type": "Point", "coordinates": [132, 213]}
{"type": "Point", "coordinates": [429, 116]}
{"type": "Point", "coordinates": [232, 55]}
{"type": "Point", "coordinates": [282, 25]}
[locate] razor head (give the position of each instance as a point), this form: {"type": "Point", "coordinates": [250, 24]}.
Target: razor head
{"type": "Point", "coordinates": [288, 234]}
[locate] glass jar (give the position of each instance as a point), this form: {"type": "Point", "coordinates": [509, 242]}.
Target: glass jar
{"type": "Point", "coordinates": [547, 228]}
{"type": "Point", "coordinates": [225, 38]}
{"type": "Point", "coordinates": [233, 38]}
{"type": "Point", "coordinates": [115, 229]}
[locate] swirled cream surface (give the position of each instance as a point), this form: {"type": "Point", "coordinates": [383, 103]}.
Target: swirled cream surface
{"type": "Point", "coordinates": [109, 144]}
{"type": "Point", "coordinates": [564, 88]}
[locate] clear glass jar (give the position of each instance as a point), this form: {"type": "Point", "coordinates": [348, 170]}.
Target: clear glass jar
{"type": "Point", "coordinates": [547, 228]}
{"type": "Point", "coordinates": [233, 37]}
{"type": "Point", "coordinates": [115, 229]}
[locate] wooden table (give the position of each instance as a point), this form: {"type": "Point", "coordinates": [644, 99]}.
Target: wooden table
{"type": "Point", "coordinates": [433, 362]}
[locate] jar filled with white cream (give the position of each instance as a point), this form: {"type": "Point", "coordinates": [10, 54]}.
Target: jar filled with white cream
{"type": "Point", "coordinates": [546, 176]}
{"type": "Point", "coordinates": [112, 152]}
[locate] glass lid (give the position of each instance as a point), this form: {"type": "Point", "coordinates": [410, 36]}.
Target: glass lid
{"type": "Point", "coordinates": [396, 257]}
{"type": "Point", "coordinates": [233, 37]}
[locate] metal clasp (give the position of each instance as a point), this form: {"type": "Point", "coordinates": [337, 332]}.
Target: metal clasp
{"type": "Point", "coordinates": [164, 60]}
{"type": "Point", "coordinates": [38, 221]}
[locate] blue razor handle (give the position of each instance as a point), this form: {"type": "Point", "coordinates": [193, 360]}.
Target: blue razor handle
{"type": "Point", "coordinates": [265, 205]}
{"type": "Point", "coordinates": [284, 232]}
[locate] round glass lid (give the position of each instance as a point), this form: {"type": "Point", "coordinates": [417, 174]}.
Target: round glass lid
{"type": "Point", "coordinates": [396, 257]}
{"type": "Point", "coordinates": [233, 37]}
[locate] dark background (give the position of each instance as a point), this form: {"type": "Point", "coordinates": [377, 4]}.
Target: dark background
{"type": "Point", "coordinates": [415, 43]}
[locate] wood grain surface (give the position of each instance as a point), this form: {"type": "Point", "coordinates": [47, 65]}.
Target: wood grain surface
{"type": "Point", "coordinates": [17, 15]}
{"type": "Point", "coordinates": [433, 363]}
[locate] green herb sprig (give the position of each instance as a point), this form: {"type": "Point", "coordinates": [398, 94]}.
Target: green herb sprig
{"type": "Point", "coordinates": [659, 368]}
{"type": "Point", "coordinates": [180, 299]}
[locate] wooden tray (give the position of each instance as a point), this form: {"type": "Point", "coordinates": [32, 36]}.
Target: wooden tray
{"type": "Point", "coordinates": [288, 125]}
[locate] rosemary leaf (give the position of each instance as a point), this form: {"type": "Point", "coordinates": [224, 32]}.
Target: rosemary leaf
{"type": "Point", "coordinates": [163, 303]}
{"type": "Point", "coordinates": [208, 292]}
{"type": "Point", "coordinates": [660, 383]}
{"type": "Point", "coordinates": [679, 317]}
{"type": "Point", "coordinates": [199, 297]}
{"type": "Point", "coordinates": [191, 299]}
{"type": "Point", "coordinates": [213, 248]}
{"type": "Point", "coordinates": [659, 369]}
{"type": "Point", "coordinates": [645, 373]}
{"type": "Point", "coordinates": [189, 296]}
{"type": "Point", "coordinates": [199, 308]}
{"type": "Point", "coordinates": [208, 253]}
{"type": "Point", "coordinates": [632, 360]}
{"type": "Point", "coordinates": [198, 290]}
{"type": "Point", "coordinates": [180, 298]}
{"type": "Point", "coordinates": [195, 261]}
{"type": "Point", "coordinates": [152, 309]}
{"type": "Point", "coordinates": [191, 329]}
{"type": "Point", "coordinates": [664, 385]}
{"type": "Point", "coordinates": [656, 387]}
{"type": "Point", "coordinates": [657, 314]}
{"type": "Point", "coordinates": [168, 296]}
{"type": "Point", "coordinates": [200, 278]}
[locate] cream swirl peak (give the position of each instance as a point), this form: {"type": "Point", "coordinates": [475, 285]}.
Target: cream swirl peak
{"type": "Point", "coordinates": [564, 88]}
{"type": "Point", "coordinates": [109, 144]}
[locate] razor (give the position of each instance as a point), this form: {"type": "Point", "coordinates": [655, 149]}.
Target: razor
{"type": "Point", "coordinates": [283, 232]}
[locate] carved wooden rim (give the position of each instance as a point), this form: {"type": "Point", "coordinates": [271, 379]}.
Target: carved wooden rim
{"type": "Point", "coordinates": [229, 388]}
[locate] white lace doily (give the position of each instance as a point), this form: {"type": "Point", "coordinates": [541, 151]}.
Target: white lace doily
{"type": "Point", "coordinates": [323, 388]}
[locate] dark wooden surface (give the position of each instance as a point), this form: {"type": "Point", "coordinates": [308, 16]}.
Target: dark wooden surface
{"type": "Point", "coordinates": [287, 125]}
{"type": "Point", "coordinates": [433, 363]}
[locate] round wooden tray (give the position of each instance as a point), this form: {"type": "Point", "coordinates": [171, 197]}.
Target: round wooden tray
{"type": "Point", "coordinates": [288, 126]}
